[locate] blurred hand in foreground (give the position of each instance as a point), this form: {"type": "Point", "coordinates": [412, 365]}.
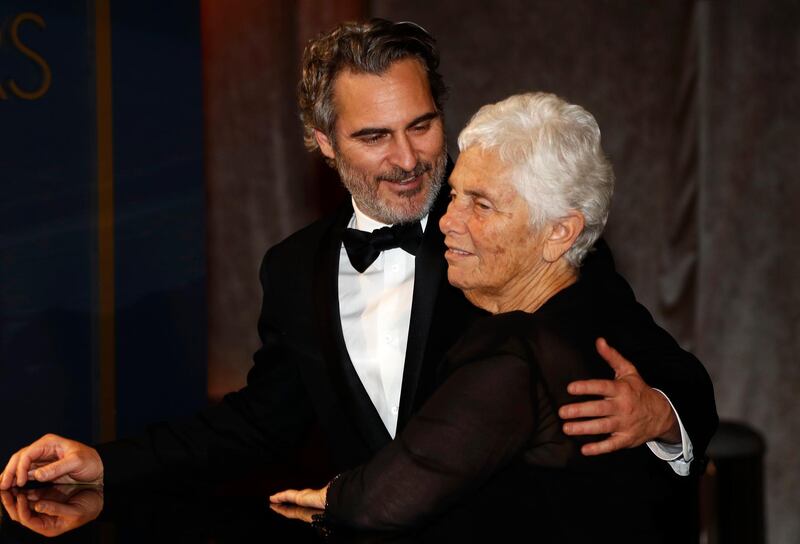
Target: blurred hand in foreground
{"type": "Point", "coordinates": [55, 459]}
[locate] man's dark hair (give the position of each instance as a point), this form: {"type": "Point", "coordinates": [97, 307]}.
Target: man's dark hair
{"type": "Point", "coordinates": [362, 48]}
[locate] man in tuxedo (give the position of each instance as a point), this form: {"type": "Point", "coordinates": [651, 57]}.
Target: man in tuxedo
{"type": "Point", "coordinates": [357, 310]}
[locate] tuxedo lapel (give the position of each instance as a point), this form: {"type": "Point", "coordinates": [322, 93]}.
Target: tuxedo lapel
{"type": "Point", "coordinates": [343, 376]}
{"type": "Point", "coordinates": [429, 270]}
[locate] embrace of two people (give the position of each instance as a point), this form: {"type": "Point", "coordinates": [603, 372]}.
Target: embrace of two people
{"type": "Point", "coordinates": [439, 325]}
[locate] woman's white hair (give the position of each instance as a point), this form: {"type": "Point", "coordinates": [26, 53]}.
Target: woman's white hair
{"type": "Point", "coordinates": [552, 149]}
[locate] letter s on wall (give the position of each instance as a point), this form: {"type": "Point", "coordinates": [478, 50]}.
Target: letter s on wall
{"type": "Point", "coordinates": [31, 54]}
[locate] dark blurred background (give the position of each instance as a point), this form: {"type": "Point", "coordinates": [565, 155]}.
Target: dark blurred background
{"type": "Point", "coordinates": [151, 151]}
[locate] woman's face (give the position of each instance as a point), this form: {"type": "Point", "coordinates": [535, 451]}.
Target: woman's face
{"type": "Point", "coordinates": [491, 246]}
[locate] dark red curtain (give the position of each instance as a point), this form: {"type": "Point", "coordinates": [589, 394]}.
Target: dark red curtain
{"type": "Point", "coordinates": [700, 111]}
{"type": "Point", "coordinates": [262, 185]}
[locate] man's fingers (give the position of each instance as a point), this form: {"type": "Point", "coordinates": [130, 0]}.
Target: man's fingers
{"type": "Point", "coordinates": [33, 495]}
{"type": "Point", "coordinates": [10, 472]}
{"type": "Point", "coordinates": [52, 493]}
{"type": "Point", "coordinates": [56, 470]}
{"type": "Point", "coordinates": [592, 408]}
{"type": "Point", "coordinates": [601, 388]}
{"type": "Point", "coordinates": [52, 508]}
{"type": "Point", "coordinates": [9, 504]}
{"type": "Point", "coordinates": [23, 509]}
{"type": "Point", "coordinates": [40, 523]}
{"type": "Point", "coordinates": [616, 361]}
{"type": "Point", "coordinates": [48, 448]}
{"type": "Point", "coordinates": [10, 478]}
{"type": "Point", "coordinates": [40, 451]}
{"type": "Point", "coordinates": [612, 443]}
{"type": "Point", "coordinates": [23, 465]}
{"type": "Point", "coordinates": [603, 425]}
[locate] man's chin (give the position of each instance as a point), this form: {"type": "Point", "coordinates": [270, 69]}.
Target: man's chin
{"type": "Point", "coordinates": [396, 193]}
{"type": "Point", "coordinates": [406, 207]}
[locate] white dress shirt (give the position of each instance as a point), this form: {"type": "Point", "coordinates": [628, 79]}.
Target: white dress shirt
{"type": "Point", "coordinates": [375, 309]}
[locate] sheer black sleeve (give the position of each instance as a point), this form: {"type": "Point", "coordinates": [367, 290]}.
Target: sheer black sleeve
{"type": "Point", "coordinates": [474, 424]}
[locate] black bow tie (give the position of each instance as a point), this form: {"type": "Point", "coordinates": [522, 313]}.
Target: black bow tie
{"type": "Point", "coordinates": [364, 247]}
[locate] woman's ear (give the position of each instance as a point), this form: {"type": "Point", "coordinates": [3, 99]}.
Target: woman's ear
{"type": "Point", "coordinates": [562, 234]}
{"type": "Point", "coordinates": [324, 144]}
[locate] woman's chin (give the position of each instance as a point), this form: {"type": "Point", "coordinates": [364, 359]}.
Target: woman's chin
{"type": "Point", "coordinates": [456, 279]}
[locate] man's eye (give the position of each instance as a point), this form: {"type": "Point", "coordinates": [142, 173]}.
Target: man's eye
{"type": "Point", "coordinates": [421, 128]}
{"type": "Point", "coordinates": [372, 138]}
{"type": "Point", "coordinates": [482, 205]}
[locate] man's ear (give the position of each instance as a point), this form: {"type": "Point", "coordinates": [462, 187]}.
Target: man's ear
{"type": "Point", "coordinates": [562, 234]}
{"type": "Point", "coordinates": [324, 144]}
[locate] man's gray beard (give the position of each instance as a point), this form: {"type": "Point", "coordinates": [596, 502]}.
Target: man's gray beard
{"type": "Point", "coordinates": [364, 189]}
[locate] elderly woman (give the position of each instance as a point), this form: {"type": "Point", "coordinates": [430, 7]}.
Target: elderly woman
{"type": "Point", "coordinates": [530, 195]}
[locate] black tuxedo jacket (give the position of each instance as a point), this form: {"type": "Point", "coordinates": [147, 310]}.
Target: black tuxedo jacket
{"type": "Point", "coordinates": [303, 378]}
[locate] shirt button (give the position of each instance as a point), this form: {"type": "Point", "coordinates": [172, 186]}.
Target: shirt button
{"type": "Point", "coordinates": [395, 268]}
{"type": "Point", "coordinates": [394, 410]}
{"type": "Point", "coordinates": [387, 338]}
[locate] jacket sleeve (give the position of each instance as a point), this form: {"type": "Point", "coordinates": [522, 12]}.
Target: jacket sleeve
{"type": "Point", "coordinates": [662, 363]}
{"type": "Point", "coordinates": [261, 423]}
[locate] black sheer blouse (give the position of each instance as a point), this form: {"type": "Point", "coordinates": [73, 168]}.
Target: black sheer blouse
{"type": "Point", "coordinates": [495, 411]}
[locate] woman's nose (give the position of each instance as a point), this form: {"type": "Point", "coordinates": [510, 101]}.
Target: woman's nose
{"type": "Point", "coordinates": [452, 220]}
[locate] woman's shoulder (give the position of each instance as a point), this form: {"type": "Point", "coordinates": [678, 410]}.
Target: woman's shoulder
{"type": "Point", "coordinates": [558, 338]}
{"type": "Point", "coordinates": [567, 312]}
{"type": "Point", "coordinates": [493, 334]}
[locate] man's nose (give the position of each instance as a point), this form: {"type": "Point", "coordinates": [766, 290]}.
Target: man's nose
{"type": "Point", "coordinates": [403, 154]}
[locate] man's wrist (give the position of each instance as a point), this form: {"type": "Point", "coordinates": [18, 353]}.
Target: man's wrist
{"type": "Point", "coordinates": [670, 427]}
{"type": "Point", "coordinates": [677, 452]}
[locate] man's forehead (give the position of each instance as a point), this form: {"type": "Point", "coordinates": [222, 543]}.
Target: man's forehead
{"type": "Point", "coordinates": [412, 64]}
{"type": "Point", "coordinates": [396, 96]}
